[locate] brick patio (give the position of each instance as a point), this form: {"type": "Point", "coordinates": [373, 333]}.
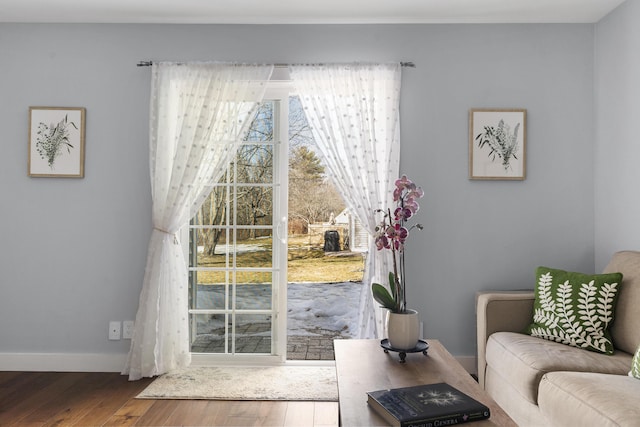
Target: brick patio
{"type": "Point", "coordinates": [318, 346]}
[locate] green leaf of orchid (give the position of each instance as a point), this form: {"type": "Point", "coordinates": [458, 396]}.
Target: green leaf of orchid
{"type": "Point", "coordinates": [382, 296]}
{"type": "Point", "coordinates": [393, 284]}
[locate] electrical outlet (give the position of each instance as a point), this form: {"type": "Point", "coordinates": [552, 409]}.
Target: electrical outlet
{"type": "Point", "coordinates": [127, 329]}
{"type": "Point", "coordinates": [114, 330]}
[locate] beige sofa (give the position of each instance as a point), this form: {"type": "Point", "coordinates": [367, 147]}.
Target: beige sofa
{"type": "Point", "coordinates": [544, 383]}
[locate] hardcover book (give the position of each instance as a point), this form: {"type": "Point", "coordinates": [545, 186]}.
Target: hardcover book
{"type": "Point", "coordinates": [427, 405]}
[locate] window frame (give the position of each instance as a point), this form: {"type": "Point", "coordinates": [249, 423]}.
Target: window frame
{"type": "Point", "coordinates": [278, 91]}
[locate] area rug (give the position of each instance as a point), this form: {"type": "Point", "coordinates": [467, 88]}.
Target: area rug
{"type": "Point", "coordinates": [317, 383]}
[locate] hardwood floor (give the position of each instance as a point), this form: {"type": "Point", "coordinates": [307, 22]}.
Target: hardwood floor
{"type": "Point", "coordinates": [108, 399]}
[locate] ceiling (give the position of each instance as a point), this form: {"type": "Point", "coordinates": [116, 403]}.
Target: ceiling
{"type": "Point", "coordinates": [306, 11]}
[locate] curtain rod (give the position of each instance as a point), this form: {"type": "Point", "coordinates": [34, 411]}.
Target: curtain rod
{"type": "Point", "coordinates": [403, 64]}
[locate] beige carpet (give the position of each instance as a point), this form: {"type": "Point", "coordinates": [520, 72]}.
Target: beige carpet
{"type": "Point", "coordinates": [316, 383]}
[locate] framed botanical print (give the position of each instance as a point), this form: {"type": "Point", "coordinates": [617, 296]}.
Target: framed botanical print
{"type": "Point", "coordinates": [56, 142]}
{"type": "Point", "coordinates": [497, 144]}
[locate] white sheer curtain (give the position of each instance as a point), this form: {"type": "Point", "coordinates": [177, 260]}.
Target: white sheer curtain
{"type": "Point", "coordinates": [354, 114]}
{"type": "Point", "coordinates": [199, 114]}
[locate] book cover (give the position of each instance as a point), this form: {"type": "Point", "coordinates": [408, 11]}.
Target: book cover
{"type": "Point", "coordinates": [427, 405]}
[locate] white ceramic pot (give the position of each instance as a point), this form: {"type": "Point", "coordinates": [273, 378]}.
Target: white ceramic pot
{"type": "Point", "coordinates": [403, 329]}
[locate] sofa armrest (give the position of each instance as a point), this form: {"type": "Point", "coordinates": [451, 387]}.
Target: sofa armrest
{"type": "Point", "coordinates": [500, 311]}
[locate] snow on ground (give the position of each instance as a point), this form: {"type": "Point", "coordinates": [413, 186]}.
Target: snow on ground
{"type": "Point", "coordinates": [331, 306]}
{"type": "Point", "coordinates": [310, 306]}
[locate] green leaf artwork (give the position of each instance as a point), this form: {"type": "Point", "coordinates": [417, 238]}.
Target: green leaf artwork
{"type": "Point", "coordinates": [635, 365]}
{"type": "Point", "coordinates": [501, 141]}
{"type": "Point", "coordinates": [575, 309]}
{"type": "Point", "coordinates": [53, 139]}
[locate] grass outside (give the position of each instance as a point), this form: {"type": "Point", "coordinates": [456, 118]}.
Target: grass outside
{"type": "Point", "coordinates": [306, 263]}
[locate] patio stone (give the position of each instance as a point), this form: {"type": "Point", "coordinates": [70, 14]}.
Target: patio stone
{"type": "Point", "coordinates": [299, 347]}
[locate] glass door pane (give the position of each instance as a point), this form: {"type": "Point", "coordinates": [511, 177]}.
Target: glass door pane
{"type": "Point", "coordinates": [234, 269]}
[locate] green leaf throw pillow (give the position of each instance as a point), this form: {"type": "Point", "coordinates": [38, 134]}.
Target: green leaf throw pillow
{"type": "Point", "coordinates": [574, 308]}
{"type": "Point", "coordinates": [635, 365]}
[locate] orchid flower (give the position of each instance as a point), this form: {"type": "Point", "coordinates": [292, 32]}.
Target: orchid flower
{"type": "Point", "coordinates": [392, 234]}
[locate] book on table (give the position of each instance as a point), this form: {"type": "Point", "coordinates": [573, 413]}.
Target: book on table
{"type": "Point", "coordinates": [426, 405]}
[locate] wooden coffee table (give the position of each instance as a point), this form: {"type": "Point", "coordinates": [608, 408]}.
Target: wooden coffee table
{"type": "Point", "coordinates": [362, 366]}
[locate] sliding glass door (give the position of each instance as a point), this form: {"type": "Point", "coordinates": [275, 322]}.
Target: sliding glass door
{"type": "Point", "coordinates": [237, 250]}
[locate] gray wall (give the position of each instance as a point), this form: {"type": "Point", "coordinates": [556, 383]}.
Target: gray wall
{"type": "Point", "coordinates": [73, 250]}
{"type": "Point", "coordinates": [617, 170]}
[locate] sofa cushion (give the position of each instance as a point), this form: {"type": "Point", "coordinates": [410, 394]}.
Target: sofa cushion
{"type": "Point", "coordinates": [589, 399]}
{"type": "Point", "coordinates": [521, 411]}
{"type": "Point", "coordinates": [625, 330]}
{"type": "Point", "coordinates": [574, 308]}
{"type": "Point", "coordinates": [635, 365]}
{"type": "Point", "coordinates": [523, 360]}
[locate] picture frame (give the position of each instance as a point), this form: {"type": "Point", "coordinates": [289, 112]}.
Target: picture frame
{"type": "Point", "coordinates": [497, 143]}
{"type": "Point", "coordinates": [56, 142]}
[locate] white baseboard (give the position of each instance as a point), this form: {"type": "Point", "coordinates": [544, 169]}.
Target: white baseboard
{"type": "Point", "coordinates": [75, 362]}
{"type": "Point", "coordinates": [62, 362]}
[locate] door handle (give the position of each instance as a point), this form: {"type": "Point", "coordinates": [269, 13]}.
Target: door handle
{"type": "Point", "coordinates": [279, 234]}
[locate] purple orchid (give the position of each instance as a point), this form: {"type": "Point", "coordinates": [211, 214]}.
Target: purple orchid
{"type": "Point", "coordinates": [392, 234]}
